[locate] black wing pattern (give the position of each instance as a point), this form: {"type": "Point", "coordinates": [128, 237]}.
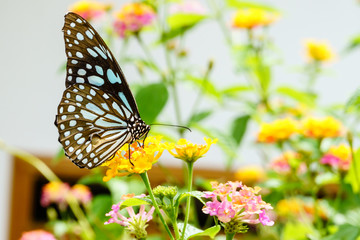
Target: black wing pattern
{"type": "Point", "coordinates": [97, 114]}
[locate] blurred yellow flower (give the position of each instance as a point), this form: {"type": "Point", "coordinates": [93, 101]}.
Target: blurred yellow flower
{"type": "Point", "coordinates": [189, 152]}
{"type": "Point", "coordinates": [321, 127]}
{"type": "Point", "coordinates": [250, 175]}
{"type": "Point", "coordinates": [278, 130]}
{"type": "Point", "coordinates": [253, 17]}
{"type": "Point", "coordinates": [297, 208]}
{"type": "Point", "coordinates": [89, 9]}
{"type": "Point", "coordinates": [55, 192]}
{"type": "Point", "coordinates": [141, 158]}
{"type": "Point", "coordinates": [319, 51]}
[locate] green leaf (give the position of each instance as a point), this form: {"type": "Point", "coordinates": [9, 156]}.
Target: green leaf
{"type": "Point", "coordinates": [133, 202]}
{"type": "Point", "coordinates": [238, 128]}
{"type": "Point", "coordinates": [353, 175]}
{"type": "Point", "coordinates": [263, 74]}
{"type": "Point", "coordinates": [345, 232]}
{"type": "Point", "coordinates": [196, 194]}
{"type": "Point", "coordinates": [233, 91]}
{"type": "Point", "coordinates": [354, 101]}
{"type": "Point", "coordinates": [151, 100]}
{"type": "Point", "coordinates": [354, 43]}
{"type": "Point", "coordinates": [301, 97]}
{"type": "Point", "coordinates": [206, 86]}
{"type": "Point", "coordinates": [250, 4]}
{"type": "Point", "coordinates": [199, 116]}
{"type": "Point", "coordinates": [296, 231]}
{"type": "Point", "coordinates": [192, 231]}
{"type": "Point", "coordinates": [184, 20]}
{"type": "Point", "coordinates": [59, 156]}
{"type": "Point", "coordinates": [100, 205]}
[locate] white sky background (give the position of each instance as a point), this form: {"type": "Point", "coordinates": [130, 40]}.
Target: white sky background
{"type": "Point", "coordinates": [32, 50]}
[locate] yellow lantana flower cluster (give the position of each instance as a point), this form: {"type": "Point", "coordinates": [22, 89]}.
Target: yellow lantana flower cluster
{"type": "Point", "coordinates": [282, 129]}
{"type": "Point", "coordinates": [319, 51]}
{"type": "Point", "coordinates": [141, 158]}
{"type": "Point", "coordinates": [189, 152]}
{"type": "Point", "coordinates": [278, 130]}
{"type": "Point", "coordinates": [326, 127]}
{"type": "Point", "coordinates": [253, 17]}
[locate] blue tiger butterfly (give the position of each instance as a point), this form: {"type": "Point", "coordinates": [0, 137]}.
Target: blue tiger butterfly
{"type": "Point", "coordinates": [97, 114]}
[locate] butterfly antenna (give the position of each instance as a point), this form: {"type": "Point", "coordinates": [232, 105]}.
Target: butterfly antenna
{"type": "Point", "coordinates": [171, 125]}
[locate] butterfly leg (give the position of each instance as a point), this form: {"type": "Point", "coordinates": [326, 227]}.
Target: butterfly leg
{"type": "Point", "coordinates": [129, 154]}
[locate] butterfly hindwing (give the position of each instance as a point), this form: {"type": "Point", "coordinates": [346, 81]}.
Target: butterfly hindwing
{"type": "Point", "coordinates": [90, 61]}
{"type": "Point", "coordinates": [92, 125]}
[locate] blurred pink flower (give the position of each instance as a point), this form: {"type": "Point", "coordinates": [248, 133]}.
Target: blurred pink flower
{"type": "Point", "coordinates": [82, 193]}
{"type": "Point", "coordinates": [132, 17]}
{"type": "Point", "coordinates": [338, 157]}
{"type": "Point", "coordinates": [54, 192]}
{"type": "Point", "coordinates": [37, 235]}
{"type": "Point", "coordinates": [189, 7]}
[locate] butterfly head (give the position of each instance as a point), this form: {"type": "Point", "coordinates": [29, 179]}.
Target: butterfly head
{"type": "Point", "coordinates": [138, 128]}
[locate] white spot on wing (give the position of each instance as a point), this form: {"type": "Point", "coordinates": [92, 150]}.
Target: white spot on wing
{"type": "Point", "coordinates": [88, 66]}
{"type": "Point", "coordinates": [94, 108]}
{"type": "Point", "coordinates": [72, 123]}
{"type": "Point", "coordinates": [72, 24]}
{"type": "Point", "coordinates": [79, 20]}
{"type": "Point", "coordinates": [95, 80]}
{"type": "Point", "coordinates": [74, 61]}
{"type": "Point", "coordinates": [92, 52]}
{"type": "Point", "coordinates": [80, 36]}
{"type": "Point", "coordinates": [77, 136]}
{"type": "Point", "coordinates": [81, 72]}
{"type": "Point", "coordinates": [102, 54]}
{"type": "Point", "coordinates": [89, 34]}
{"type": "Point", "coordinates": [88, 115]}
{"type": "Point", "coordinates": [112, 77]}
{"type": "Point", "coordinates": [81, 140]}
{"type": "Point", "coordinates": [79, 55]}
{"type": "Point", "coordinates": [99, 70]}
{"type": "Point", "coordinates": [71, 108]}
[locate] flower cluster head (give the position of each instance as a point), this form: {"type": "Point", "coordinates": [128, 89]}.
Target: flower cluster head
{"type": "Point", "coordinates": [59, 192]}
{"type": "Point", "coordinates": [250, 174]}
{"type": "Point", "coordinates": [253, 17]}
{"type": "Point", "coordinates": [135, 223]}
{"type": "Point", "coordinates": [132, 17]}
{"type": "Point", "coordinates": [188, 7]}
{"type": "Point", "coordinates": [319, 51]}
{"type": "Point", "coordinates": [37, 235]}
{"type": "Point", "coordinates": [89, 9]}
{"type": "Point", "coordinates": [327, 127]}
{"type": "Point", "coordinates": [234, 202]}
{"type": "Point", "coordinates": [138, 160]}
{"type": "Point", "coordinates": [288, 161]}
{"type": "Point", "coordinates": [278, 130]}
{"type": "Point", "coordinates": [338, 157]}
{"type": "Point", "coordinates": [190, 152]}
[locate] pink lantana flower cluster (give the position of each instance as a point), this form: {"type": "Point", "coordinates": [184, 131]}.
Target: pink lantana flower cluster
{"type": "Point", "coordinates": [132, 17]}
{"type": "Point", "coordinates": [189, 7]}
{"type": "Point", "coordinates": [37, 235]}
{"type": "Point", "coordinates": [234, 202]}
{"type": "Point", "coordinates": [135, 223]}
{"type": "Point", "coordinates": [58, 192]}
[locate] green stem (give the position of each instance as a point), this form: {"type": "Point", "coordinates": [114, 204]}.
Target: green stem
{"type": "Point", "coordinates": [354, 159]}
{"type": "Point", "coordinates": [51, 177]}
{"type": "Point", "coordinates": [218, 12]}
{"type": "Point", "coordinates": [147, 52]}
{"type": "Point", "coordinates": [146, 181]}
{"type": "Point", "coordinates": [188, 200]}
{"type": "Point", "coordinates": [230, 236]}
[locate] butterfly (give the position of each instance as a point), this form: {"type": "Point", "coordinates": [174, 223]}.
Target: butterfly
{"type": "Point", "coordinates": [97, 114]}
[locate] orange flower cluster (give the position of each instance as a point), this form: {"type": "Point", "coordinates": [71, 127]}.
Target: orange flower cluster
{"type": "Point", "coordinates": [253, 17]}
{"type": "Point", "coordinates": [295, 208]}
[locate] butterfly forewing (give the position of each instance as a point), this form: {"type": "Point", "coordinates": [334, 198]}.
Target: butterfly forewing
{"type": "Point", "coordinates": [97, 114]}
{"type": "Point", "coordinates": [92, 125]}
{"type": "Point", "coordinates": [90, 61]}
